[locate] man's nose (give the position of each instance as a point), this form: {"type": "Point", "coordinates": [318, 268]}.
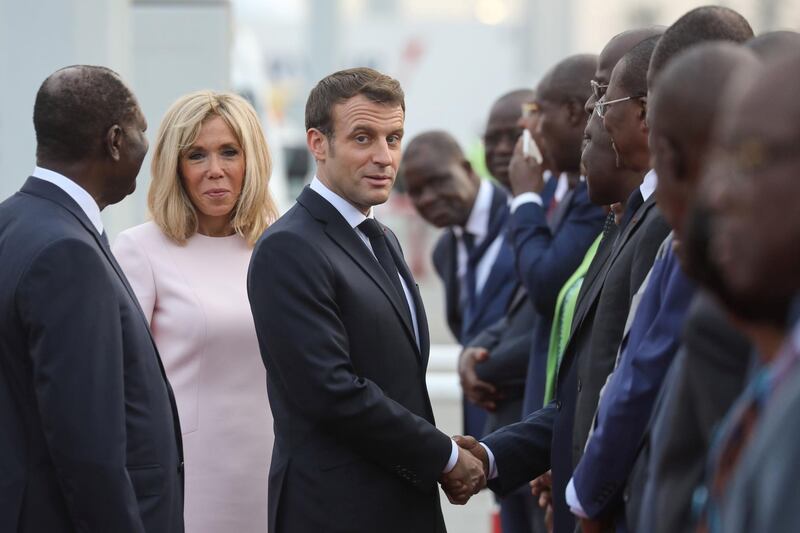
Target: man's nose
{"type": "Point", "coordinates": [382, 154]}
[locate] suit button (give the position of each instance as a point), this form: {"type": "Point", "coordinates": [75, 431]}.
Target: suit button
{"type": "Point", "coordinates": [558, 405]}
{"type": "Point", "coordinates": [580, 385]}
{"type": "Point", "coordinates": [180, 467]}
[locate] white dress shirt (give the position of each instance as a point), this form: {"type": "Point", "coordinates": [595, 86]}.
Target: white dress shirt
{"type": "Point", "coordinates": [478, 225]}
{"type": "Point", "coordinates": [648, 186]}
{"type": "Point", "coordinates": [354, 217]}
{"type": "Point", "coordinates": [75, 191]}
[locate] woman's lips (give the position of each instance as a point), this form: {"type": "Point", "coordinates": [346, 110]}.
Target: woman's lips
{"type": "Point", "coordinates": [216, 193]}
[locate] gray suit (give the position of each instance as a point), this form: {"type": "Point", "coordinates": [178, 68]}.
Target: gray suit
{"type": "Point", "coordinates": [762, 494]}
{"type": "Point", "coordinates": [706, 377]}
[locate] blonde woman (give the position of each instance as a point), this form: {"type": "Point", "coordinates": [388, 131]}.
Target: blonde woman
{"type": "Point", "coordinates": [209, 202]}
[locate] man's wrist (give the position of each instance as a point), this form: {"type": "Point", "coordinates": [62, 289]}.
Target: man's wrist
{"type": "Point", "coordinates": [526, 198]}
{"type": "Point", "coordinates": [451, 463]}
{"type": "Point", "coordinates": [491, 471]}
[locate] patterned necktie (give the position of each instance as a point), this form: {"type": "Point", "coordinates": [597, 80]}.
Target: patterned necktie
{"type": "Point", "coordinates": [737, 432]}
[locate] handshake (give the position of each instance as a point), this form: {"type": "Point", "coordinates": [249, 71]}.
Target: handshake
{"type": "Point", "coordinates": [469, 475]}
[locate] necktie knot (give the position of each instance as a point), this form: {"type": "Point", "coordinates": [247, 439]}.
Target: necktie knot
{"type": "Point", "coordinates": [371, 228]}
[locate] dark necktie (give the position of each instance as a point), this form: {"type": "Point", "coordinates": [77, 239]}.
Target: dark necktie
{"type": "Point", "coordinates": [468, 296]}
{"type": "Point", "coordinates": [377, 239]}
{"type": "Point", "coordinates": [635, 201]}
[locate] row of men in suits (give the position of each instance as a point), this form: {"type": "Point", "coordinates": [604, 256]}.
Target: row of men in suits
{"type": "Point", "coordinates": [91, 438]}
{"type": "Point", "coordinates": [653, 309]}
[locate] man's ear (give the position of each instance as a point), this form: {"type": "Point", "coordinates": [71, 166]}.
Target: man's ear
{"type": "Point", "coordinates": [643, 114]}
{"type": "Point", "coordinates": [114, 141]}
{"type": "Point", "coordinates": [317, 143]}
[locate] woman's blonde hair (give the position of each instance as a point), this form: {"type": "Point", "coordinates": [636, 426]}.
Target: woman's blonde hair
{"type": "Point", "coordinates": [170, 206]}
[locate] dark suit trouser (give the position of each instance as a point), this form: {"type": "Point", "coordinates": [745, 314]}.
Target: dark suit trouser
{"type": "Point", "coordinates": [520, 512]}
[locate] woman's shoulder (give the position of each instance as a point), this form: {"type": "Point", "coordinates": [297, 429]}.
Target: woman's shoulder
{"type": "Point", "coordinates": [147, 235]}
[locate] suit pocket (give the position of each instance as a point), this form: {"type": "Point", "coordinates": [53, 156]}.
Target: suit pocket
{"type": "Point", "coordinates": [147, 480]}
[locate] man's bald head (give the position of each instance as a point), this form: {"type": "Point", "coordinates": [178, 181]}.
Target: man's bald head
{"type": "Point", "coordinates": [775, 45]}
{"type": "Point", "coordinates": [569, 79]}
{"type": "Point", "coordinates": [618, 46]}
{"type": "Point", "coordinates": [631, 71]}
{"type": "Point", "coordinates": [561, 119]}
{"type": "Point", "coordinates": [438, 142]}
{"type": "Point", "coordinates": [74, 108]}
{"type": "Point", "coordinates": [708, 23]}
{"type": "Point", "coordinates": [439, 180]}
{"type": "Point", "coordinates": [502, 131]}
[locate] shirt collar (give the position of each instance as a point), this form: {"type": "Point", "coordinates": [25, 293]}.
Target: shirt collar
{"type": "Point", "coordinates": [561, 187]}
{"type": "Point", "coordinates": [478, 221]}
{"type": "Point", "coordinates": [648, 185]}
{"type": "Point", "coordinates": [353, 216]}
{"type": "Point", "coordinates": [74, 191]}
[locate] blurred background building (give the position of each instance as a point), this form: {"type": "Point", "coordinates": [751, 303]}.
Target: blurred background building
{"type": "Point", "coordinates": [453, 58]}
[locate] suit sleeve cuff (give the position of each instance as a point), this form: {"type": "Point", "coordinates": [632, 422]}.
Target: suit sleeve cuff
{"type": "Point", "coordinates": [573, 502]}
{"type": "Point", "coordinates": [492, 465]}
{"type": "Point", "coordinates": [451, 464]}
{"type": "Point", "coordinates": [525, 198]}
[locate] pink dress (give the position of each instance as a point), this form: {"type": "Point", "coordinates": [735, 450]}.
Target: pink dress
{"type": "Point", "coordinates": [195, 297]}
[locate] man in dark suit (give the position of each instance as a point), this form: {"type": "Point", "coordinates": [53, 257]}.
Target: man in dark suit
{"type": "Point", "coordinates": [550, 240]}
{"type": "Point", "coordinates": [499, 357]}
{"type": "Point", "coordinates": [679, 148]}
{"type": "Point", "coordinates": [91, 434]}
{"type": "Point", "coordinates": [343, 335]}
{"type": "Point", "coordinates": [522, 451]}
{"type": "Point", "coordinates": [552, 225]}
{"type": "Point", "coordinates": [473, 257]}
{"type": "Point", "coordinates": [751, 468]}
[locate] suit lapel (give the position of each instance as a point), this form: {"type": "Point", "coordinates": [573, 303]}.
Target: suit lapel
{"type": "Point", "coordinates": [503, 266]}
{"type": "Point", "coordinates": [589, 288]}
{"type": "Point", "coordinates": [422, 319]}
{"type": "Point", "coordinates": [638, 218]}
{"type": "Point", "coordinates": [346, 238]}
{"type": "Point", "coordinates": [53, 193]}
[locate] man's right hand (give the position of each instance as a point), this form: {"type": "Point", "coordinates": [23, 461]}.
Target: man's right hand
{"type": "Point", "coordinates": [542, 487]}
{"type": "Point", "coordinates": [481, 393]}
{"type": "Point", "coordinates": [467, 478]}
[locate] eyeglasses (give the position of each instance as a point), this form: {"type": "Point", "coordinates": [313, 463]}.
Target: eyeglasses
{"type": "Point", "coordinates": [598, 89]}
{"type": "Point", "coordinates": [601, 105]}
{"type": "Point", "coordinates": [529, 109]}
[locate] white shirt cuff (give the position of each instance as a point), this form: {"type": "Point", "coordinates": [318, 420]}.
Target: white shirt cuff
{"type": "Point", "coordinates": [525, 198]}
{"type": "Point", "coordinates": [492, 465]}
{"type": "Point", "coordinates": [572, 500]}
{"type": "Point", "coordinates": [451, 464]}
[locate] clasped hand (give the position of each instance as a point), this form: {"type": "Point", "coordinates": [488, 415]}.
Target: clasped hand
{"type": "Point", "coordinates": [469, 475]}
